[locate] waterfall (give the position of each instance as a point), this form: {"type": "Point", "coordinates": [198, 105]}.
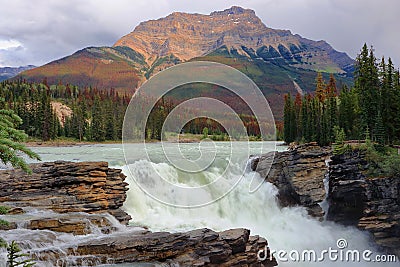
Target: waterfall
{"type": "Point", "coordinates": [37, 241]}
{"type": "Point", "coordinates": [285, 228]}
{"type": "Point", "coordinates": [325, 204]}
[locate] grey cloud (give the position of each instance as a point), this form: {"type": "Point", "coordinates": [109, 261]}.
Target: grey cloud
{"type": "Point", "coordinates": [50, 29]}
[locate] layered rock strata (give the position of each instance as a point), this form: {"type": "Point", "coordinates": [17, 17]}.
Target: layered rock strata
{"type": "Point", "coordinates": [66, 187]}
{"type": "Point", "coordinates": [298, 174]}
{"type": "Point", "coordinates": [371, 204]}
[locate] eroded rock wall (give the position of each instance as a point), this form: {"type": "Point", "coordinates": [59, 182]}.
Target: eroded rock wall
{"type": "Point", "coordinates": [63, 187]}
{"type": "Point", "coordinates": [298, 174]}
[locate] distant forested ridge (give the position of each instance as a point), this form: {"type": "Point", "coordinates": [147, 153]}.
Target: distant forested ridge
{"type": "Point", "coordinates": [96, 115]}
{"type": "Point", "coordinates": [368, 110]}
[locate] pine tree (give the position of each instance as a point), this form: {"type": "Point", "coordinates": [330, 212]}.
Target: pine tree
{"type": "Point", "coordinates": [289, 120]}
{"type": "Point", "coordinates": [367, 86]}
{"type": "Point", "coordinates": [16, 258]}
{"type": "Point", "coordinates": [10, 141]}
{"type": "Point", "coordinates": [98, 124]}
{"type": "Point", "coordinates": [305, 119]}
{"type": "Point", "coordinates": [314, 120]}
{"type": "Point", "coordinates": [45, 113]}
{"type": "Point", "coordinates": [320, 91]}
{"type": "Point", "coordinates": [331, 90]}
{"type": "Point", "coordinates": [339, 147]}
{"type": "Point", "coordinates": [379, 130]}
{"type": "Point", "coordinates": [298, 118]}
{"type": "Point", "coordinates": [389, 106]}
{"type": "Point", "coordinates": [396, 88]}
{"type": "Point", "coordinates": [331, 109]}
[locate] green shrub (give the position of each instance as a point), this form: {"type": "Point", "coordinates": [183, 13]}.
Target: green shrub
{"type": "Point", "coordinates": [391, 165]}
{"type": "Point", "coordinates": [4, 210]}
{"type": "Point", "coordinates": [3, 243]}
{"type": "Point", "coordinates": [339, 147]}
{"type": "Point", "coordinates": [383, 161]}
{"type": "Point", "coordinates": [4, 223]}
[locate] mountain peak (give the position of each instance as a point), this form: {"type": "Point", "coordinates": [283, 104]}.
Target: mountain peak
{"type": "Point", "coordinates": [234, 10]}
{"type": "Point", "coordinates": [191, 35]}
{"type": "Point", "coordinates": [186, 36]}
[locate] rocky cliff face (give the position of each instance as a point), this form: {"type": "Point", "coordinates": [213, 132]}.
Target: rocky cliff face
{"type": "Point", "coordinates": [187, 36]}
{"type": "Point", "coordinates": [371, 204]}
{"type": "Point", "coordinates": [298, 174]}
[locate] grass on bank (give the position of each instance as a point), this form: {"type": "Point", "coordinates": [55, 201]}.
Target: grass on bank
{"type": "Point", "coordinates": [383, 161]}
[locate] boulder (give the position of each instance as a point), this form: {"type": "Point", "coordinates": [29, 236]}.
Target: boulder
{"type": "Point", "coordinates": [201, 247]}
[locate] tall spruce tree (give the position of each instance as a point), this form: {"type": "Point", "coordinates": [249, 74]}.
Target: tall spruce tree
{"type": "Point", "coordinates": [289, 120]}
{"type": "Point", "coordinates": [11, 138]}
{"type": "Point", "coordinates": [98, 123]}
{"type": "Point", "coordinates": [298, 119]}
{"type": "Point", "coordinates": [331, 108]}
{"type": "Point", "coordinates": [367, 87]}
{"type": "Point", "coordinates": [305, 119]}
{"type": "Point", "coordinates": [396, 120]}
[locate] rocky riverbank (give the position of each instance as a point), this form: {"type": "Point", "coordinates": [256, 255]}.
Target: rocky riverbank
{"type": "Point", "coordinates": [69, 214]}
{"type": "Point", "coordinates": [66, 187]}
{"type": "Point", "coordinates": [298, 174]}
{"type": "Point", "coordinates": [371, 204]}
{"type": "Point", "coordinates": [353, 198]}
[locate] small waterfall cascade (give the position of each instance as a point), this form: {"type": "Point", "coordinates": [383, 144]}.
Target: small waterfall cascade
{"type": "Point", "coordinates": [325, 204]}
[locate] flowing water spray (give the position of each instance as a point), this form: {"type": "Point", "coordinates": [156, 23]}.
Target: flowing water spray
{"type": "Point", "coordinates": [56, 247]}
{"type": "Point", "coordinates": [284, 228]}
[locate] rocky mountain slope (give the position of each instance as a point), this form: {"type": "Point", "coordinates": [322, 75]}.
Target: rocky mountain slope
{"type": "Point", "coordinates": [100, 67]}
{"type": "Point", "coordinates": [277, 60]}
{"type": "Point", "coordinates": [192, 35]}
{"type": "Point", "coordinates": [9, 72]}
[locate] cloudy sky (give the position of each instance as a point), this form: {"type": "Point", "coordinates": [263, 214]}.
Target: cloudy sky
{"type": "Point", "coordinates": [36, 32]}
